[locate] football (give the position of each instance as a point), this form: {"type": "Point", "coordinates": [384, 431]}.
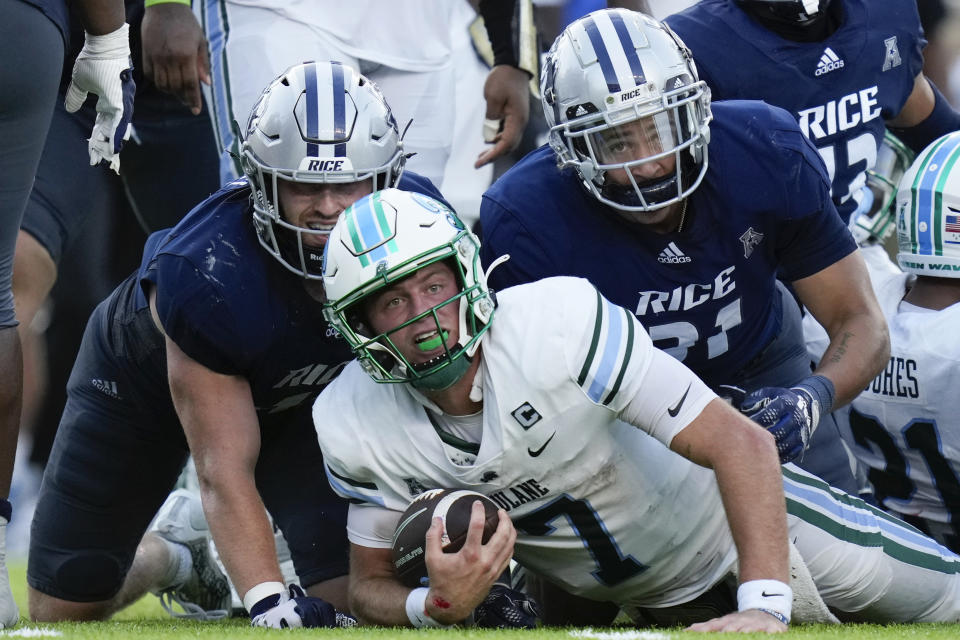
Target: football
{"type": "Point", "coordinates": [454, 507]}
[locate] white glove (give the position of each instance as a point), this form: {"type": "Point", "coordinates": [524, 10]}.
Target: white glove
{"type": "Point", "coordinates": [104, 68]}
{"type": "Point", "coordinates": [9, 614]}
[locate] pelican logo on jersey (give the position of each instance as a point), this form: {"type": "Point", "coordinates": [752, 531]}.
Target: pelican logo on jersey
{"type": "Point", "coordinates": [892, 57]}
{"type": "Point", "coordinates": [848, 112]}
{"type": "Point", "coordinates": [687, 297]}
{"type": "Point", "coordinates": [519, 494]}
{"type": "Point", "coordinates": [526, 415]}
{"type": "Point", "coordinates": [672, 255]}
{"type": "Point", "coordinates": [829, 61]}
{"type": "Point", "coordinates": [750, 240]}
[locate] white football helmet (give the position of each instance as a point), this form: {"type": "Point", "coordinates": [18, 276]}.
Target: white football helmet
{"type": "Point", "coordinates": [873, 221]}
{"type": "Point", "coordinates": [928, 211]}
{"type": "Point", "coordinates": [620, 90]}
{"type": "Point", "coordinates": [795, 11]}
{"type": "Point", "coordinates": [383, 238]}
{"type": "Point", "coordinates": [319, 122]}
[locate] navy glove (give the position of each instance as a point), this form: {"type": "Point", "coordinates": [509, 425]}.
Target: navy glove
{"type": "Point", "coordinates": [507, 608]}
{"type": "Point", "coordinates": [791, 415]}
{"type": "Point", "coordinates": [282, 611]}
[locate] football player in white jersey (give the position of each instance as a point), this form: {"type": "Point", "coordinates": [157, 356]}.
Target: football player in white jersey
{"type": "Point", "coordinates": [904, 423]}
{"type": "Point", "coordinates": [535, 411]}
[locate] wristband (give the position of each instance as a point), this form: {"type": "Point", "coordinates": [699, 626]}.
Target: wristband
{"type": "Point", "coordinates": [261, 591]}
{"type": "Point", "coordinates": [769, 596]}
{"type": "Point", "coordinates": [417, 609]}
{"type": "Point", "coordinates": [821, 389]}
{"type": "Point", "coordinates": [150, 3]}
{"type": "Point", "coordinates": [776, 614]}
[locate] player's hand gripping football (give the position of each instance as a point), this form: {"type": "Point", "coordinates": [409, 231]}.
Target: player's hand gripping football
{"type": "Point", "coordinates": [460, 581]}
{"type": "Point", "coordinates": [104, 68]}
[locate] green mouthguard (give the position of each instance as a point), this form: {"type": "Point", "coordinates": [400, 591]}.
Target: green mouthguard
{"type": "Point", "coordinates": [433, 343]}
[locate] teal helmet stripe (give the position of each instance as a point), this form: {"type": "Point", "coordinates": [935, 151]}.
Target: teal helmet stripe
{"type": "Point", "coordinates": [938, 200]}
{"type": "Point", "coordinates": [368, 228]}
{"type": "Point", "coordinates": [931, 172]}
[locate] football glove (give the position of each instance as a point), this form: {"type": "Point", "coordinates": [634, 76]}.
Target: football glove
{"type": "Point", "coordinates": [9, 614]}
{"type": "Point", "coordinates": [104, 68]}
{"type": "Point", "coordinates": [296, 609]}
{"type": "Point", "coordinates": [791, 415]}
{"type": "Point", "coordinates": [507, 608]}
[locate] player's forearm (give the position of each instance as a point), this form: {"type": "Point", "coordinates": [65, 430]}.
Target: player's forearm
{"type": "Point", "coordinates": [753, 500]}
{"type": "Point", "coordinates": [102, 16]}
{"type": "Point", "coordinates": [241, 531]}
{"type": "Point", "coordinates": [380, 601]}
{"type": "Point", "coordinates": [859, 349]}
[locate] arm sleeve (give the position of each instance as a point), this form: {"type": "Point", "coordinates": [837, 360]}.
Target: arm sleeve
{"type": "Point", "coordinates": [614, 362]}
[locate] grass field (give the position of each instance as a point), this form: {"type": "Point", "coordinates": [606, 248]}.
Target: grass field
{"type": "Point", "coordinates": [146, 620]}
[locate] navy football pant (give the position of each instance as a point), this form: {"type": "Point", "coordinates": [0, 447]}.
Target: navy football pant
{"type": "Point", "coordinates": [31, 51]}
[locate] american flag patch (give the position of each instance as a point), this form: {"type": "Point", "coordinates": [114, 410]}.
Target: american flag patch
{"type": "Point", "coordinates": [952, 224]}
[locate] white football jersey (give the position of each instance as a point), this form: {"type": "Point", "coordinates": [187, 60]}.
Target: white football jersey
{"type": "Point", "coordinates": [602, 508]}
{"type": "Point", "coordinates": [905, 423]}
{"type": "Point", "coordinates": [885, 277]}
{"type": "Point", "coordinates": [413, 35]}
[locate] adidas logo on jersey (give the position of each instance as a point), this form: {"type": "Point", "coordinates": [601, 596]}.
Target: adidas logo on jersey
{"type": "Point", "coordinates": [672, 255]}
{"type": "Point", "coordinates": [108, 387]}
{"type": "Point", "coordinates": [829, 61]}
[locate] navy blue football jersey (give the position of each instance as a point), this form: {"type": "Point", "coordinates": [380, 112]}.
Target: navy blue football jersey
{"type": "Point", "coordinates": [706, 295]}
{"type": "Point", "coordinates": [233, 308]}
{"type": "Point", "coordinates": [841, 89]}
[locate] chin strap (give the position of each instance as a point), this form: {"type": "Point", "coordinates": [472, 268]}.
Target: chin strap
{"type": "Point", "coordinates": [493, 265]}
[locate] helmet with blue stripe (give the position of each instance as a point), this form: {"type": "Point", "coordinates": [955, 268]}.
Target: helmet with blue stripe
{"type": "Point", "coordinates": [627, 110]}
{"type": "Point", "coordinates": [318, 122]}
{"type": "Point", "coordinates": [928, 211]}
{"type": "Point", "coordinates": [382, 239]}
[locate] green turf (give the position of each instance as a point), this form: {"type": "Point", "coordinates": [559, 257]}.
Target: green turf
{"type": "Point", "coordinates": [146, 620]}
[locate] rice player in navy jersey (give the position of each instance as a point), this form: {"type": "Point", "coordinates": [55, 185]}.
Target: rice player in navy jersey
{"type": "Point", "coordinates": [216, 347]}
{"type": "Point", "coordinates": [692, 242]}
{"type": "Point", "coordinates": [843, 68]}
{"type": "Point", "coordinates": [32, 43]}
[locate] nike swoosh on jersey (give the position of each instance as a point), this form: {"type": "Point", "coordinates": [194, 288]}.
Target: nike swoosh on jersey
{"type": "Point", "coordinates": [534, 454]}
{"type": "Point", "coordinates": [674, 410]}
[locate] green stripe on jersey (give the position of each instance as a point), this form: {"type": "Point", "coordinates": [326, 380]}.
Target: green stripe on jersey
{"type": "Point", "coordinates": [594, 342]}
